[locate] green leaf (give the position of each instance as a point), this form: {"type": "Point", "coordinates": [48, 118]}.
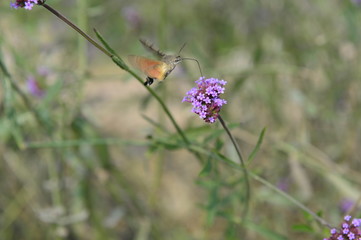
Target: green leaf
{"type": "Point", "coordinates": [116, 59]}
{"type": "Point", "coordinates": [206, 169]}
{"type": "Point", "coordinates": [52, 93]}
{"type": "Point", "coordinates": [219, 144]}
{"type": "Point", "coordinates": [267, 233]}
{"type": "Point", "coordinates": [226, 160]}
{"type": "Point", "coordinates": [3, 68]}
{"type": "Point", "coordinates": [156, 124]}
{"type": "Point", "coordinates": [103, 154]}
{"type": "Point", "coordinates": [105, 44]}
{"type": "Point", "coordinates": [171, 146]}
{"type": "Point", "coordinates": [256, 148]}
{"type": "Point", "coordinates": [17, 134]}
{"type": "Point", "coordinates": [302, 228]}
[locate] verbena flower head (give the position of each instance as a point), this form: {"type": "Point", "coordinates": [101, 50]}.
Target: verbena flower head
{"type": "Point", "coordinates": [34, 88]}
{"type": "Point", "coordinates": [350, 230]}
{"type": "Point", "coordinates": [205, 98]}
{"type": "Point", "coordinates": [27, 4]}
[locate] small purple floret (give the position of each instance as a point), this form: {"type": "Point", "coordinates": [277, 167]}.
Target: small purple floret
{"type": "Point", "coordinates": [356, 222]}
{"type": "Point", "coordinates": [351, 236]}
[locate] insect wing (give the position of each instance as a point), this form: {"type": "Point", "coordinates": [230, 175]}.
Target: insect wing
{"type": "Point", "coordinates": [152, 49]}
{"type": "Point", "coordinates": [152, 68]}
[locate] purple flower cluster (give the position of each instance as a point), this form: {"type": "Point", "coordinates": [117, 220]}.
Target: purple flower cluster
{"type": "Point", "coordinates": [37, 85]}
{"type": "Point", "coordinates": [34, 88]}
{"type": "Point", "coordinates": [132, 17]}
{"type": "Point", "coordinates": [27, 4]}
{"type": "Point", "coordinates": [346, 205]}
{"type": "Point", "coordinates": [350, 230]}
{"type": "Point", "coordinates": [205, 98]}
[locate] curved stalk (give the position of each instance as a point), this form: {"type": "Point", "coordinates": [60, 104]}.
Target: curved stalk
{"type": "Point", "coordinates": [243, 165]}
{"type": "Point", "coordinates": [72, 25]}
{"type": "Point", "coordinates": [97, 45]}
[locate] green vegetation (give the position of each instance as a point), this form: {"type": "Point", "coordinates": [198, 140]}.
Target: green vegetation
{"type": "Point", "coordinates": [88, 152]}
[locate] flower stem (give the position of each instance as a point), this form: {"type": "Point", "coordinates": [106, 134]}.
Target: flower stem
{"type": "Point", "coordinates": [72, 25]}
{"type": "Point", "coordinates": [165, 109]}
{"type": "Point", "coordinates": [92, 41]}
{"type": "Point", "coordinates": [290, 198]}
{"type": "Point", "coordinates": [23, 97]}
{"type": "Point", "coordinates": [243, 165]}
{"type": "Point", "coordinates": [265, 183]}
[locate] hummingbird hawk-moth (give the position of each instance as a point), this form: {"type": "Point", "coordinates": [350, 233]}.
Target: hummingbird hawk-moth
{"type": "Point", "coordinates": [156, 69]}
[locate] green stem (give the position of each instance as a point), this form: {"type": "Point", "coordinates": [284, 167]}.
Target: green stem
{"type": "Point", "coordinates": [264, 182]}
{"type": "Point", "coordinates": [291, 199]}
{"type": "Point", "coordinates": [92, 41]}
{"type": "Point", "coordinates": [82, 50]}
{"type": "Point", "coordinates": [81, 142]}
{"type": "Point", "coordinates": [72, 25]}
{"type": "Point", "coordinates": [15, 86]}
{"type": "Point", "coordinates": [23, 97]}
{"type": "Point", "coordinates": [244, 169]}
{"type": "Point", "coordinates": [166, 110]}
{"type": "Point", "coordinates": [52, 170]}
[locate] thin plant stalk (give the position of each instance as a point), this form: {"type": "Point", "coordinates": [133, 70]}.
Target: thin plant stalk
{"type": "Point", "coordinates": [82, 20]}
{"type": "Point", "coordinates": [263, 181]}
{"type": "Point", "coordinates": [93, 42]}
{"type": "Point", "coordinates": [23, 96]}
{"type": "Point", "coordinates": [291, 199]}
{"type": "Point", "coordinates": [72, 25]}
{"type": "Point", "coordinates": [243, 165]}
{"type": "Point", "coordinates": [51, 167]}
{"type": "Point", "coordinates": [159, 158]}
{"type": "Point", "coordinates": [266, 183]}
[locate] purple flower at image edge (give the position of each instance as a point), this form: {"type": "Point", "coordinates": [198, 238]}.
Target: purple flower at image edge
{"type": "Point", "coordinates": [205, 98]}
{"type": "Point", "coordinates": [27, 4]}
{"type": "Point", "coordinates": [350, 230]}
{"type": "Point", "coordinates": [34, 88]}
{"type": "Point", "coordinates": [356, 2]}
{"type": "Point", "coordinates": [346, 205]}
{"type": "Point", "coordinates": [132, 16]}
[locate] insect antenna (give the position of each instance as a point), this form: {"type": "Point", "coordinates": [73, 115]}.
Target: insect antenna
{"type": "Point", "coordinates": [184, 44]}
{"type": "Point", "coordinates": [193, 59]}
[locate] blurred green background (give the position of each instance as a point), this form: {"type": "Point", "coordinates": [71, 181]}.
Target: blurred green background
{"type": "Point", "coordinates": [96, 157]}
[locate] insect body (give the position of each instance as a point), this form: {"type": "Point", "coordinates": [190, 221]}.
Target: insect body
{"type": "Point", "coordinates": [155, 69]}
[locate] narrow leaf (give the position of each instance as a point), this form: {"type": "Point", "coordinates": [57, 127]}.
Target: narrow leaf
{"type": "Point", "coordinates": [105, 44]}
{"type": "Point", "coordinates": [302, 228]}
{"type": "Point", "coordinates": [206, 169]}
{"type": "Point", "coordinates": [267, 233]}
{"type": "Point", "coordinates": [116, 59]}
{"type": "Point", "coordinates": [256, 148]}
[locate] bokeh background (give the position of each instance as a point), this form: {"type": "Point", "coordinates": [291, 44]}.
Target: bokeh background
{"type": "Point", "coordinates": [90, 155]}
